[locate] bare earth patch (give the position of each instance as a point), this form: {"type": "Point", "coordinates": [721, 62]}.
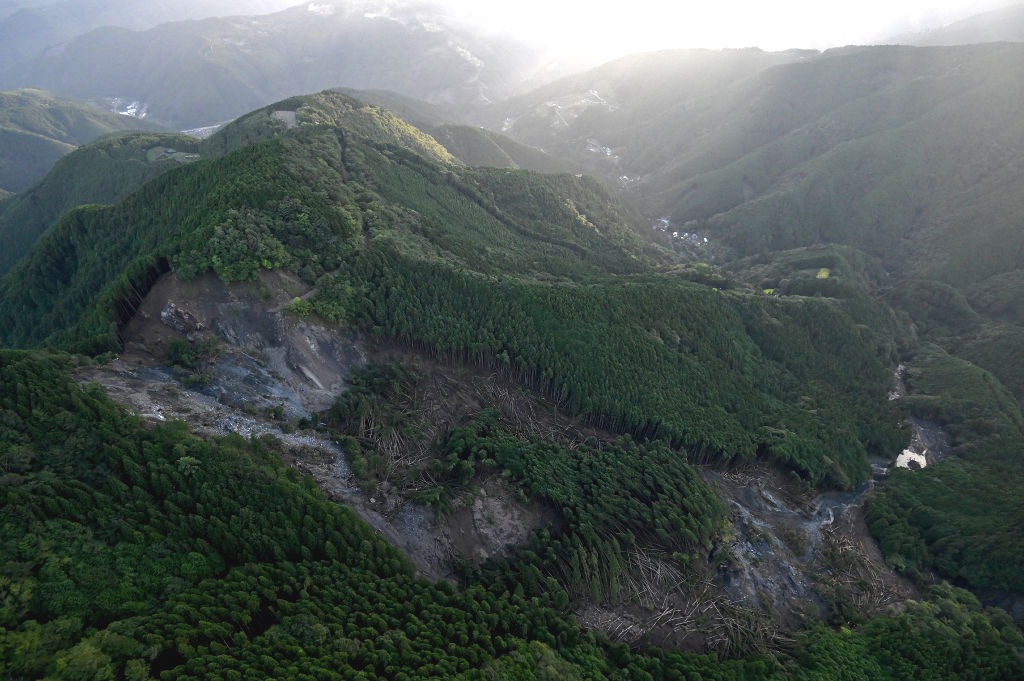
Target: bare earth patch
{"type": "Point", "coordinates": [784, 555]}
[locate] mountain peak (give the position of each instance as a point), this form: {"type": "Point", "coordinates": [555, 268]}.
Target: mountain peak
{"type": "Point", "coordinates": [328, 109]}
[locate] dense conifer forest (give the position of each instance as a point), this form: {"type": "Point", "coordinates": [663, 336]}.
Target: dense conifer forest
{"type": "Point", "coordinates": [140, 552]}
{"type": "Point", "coordinates": [132, 550]}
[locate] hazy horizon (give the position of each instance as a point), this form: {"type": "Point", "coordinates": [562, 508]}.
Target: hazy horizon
{"type": "Point", "coordinates": [642, 25]}
{"type": "Point", "coordinates": [569, 28]}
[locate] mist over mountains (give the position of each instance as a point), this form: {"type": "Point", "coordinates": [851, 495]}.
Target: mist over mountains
{"type": "Point", "coordinates": [30, 28]}
{"type": "Point", "coordinates": [1000, 25]}
{"type": "Point", "coordinates": [433, 360]}
{"type": "Point", "coordinates": [193, 73]}
{"type": "Point", "coordinates": [132, 60]}
{"type": "Point", "coordinates": [902, 152]}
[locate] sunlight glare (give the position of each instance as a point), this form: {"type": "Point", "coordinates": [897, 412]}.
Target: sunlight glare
{"type": "Point", "coordinates": [643, 25]}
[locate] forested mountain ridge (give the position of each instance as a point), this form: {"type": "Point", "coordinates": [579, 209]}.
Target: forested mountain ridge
{"type": "Point", "coordinates": [908, 154]}
{"type": "Point", "coordinates": [901, 152]}
{"type": "Point", "coordinates": [520, 228]}
{"type": "Point", "coordinates": [480, 147]}
{"type": "Point", "coordinates": [108, 169]}
{"type": "Point", "coordinates": [547, 281]}
{"type": "Point", "coordinates": [37, 128]}
{"type": "Point", "coordinates": [101, 172]}
{"type": "Point", "coordinates": [30, 28]}
{"type": "Point", "coordinates": [475, 146]}
{"type": "Point", "coordinates": [998, 25]}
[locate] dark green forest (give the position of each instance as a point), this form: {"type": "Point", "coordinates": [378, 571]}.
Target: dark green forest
{"type": "Point", "coordinates": [142, 551]}
{"type": "Point", "coordinates": [544, 279]}
{"type": "Point", "coordinates": [98, 173]}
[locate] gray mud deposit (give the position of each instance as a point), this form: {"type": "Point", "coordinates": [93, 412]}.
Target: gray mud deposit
{"type": "Point", "coordinates": [270, 370]}
{"type": "Point", "coordinates": [785, 554]}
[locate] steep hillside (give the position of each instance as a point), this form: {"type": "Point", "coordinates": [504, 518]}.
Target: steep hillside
{"type": "Point", "coordinates": [193, 73]}
{"type": "Point", "coordinates": [101, 172]}
{"type": "Point", "coordinates": [910, 155]}
{"type": "Point", "coordinates": [475, 146]}
{"type": "Point", "coordinates": [141, 552]}
{"type": "Point", "coordinates": [1001, 25]}
{"type": "Point", "coordinates": [905, 153]}
{"type": "Point", "coordinates": [510, 343]}
{"type": "Point", "coordinates": [109, 169]}
{"type": "Point", "coordinates": [30, 28]}
{"type": "Point", "coordinates": [380, 208]}
{"type": "Point", "coordinates": [37, 128]}
{"type": "Point", "coordinates": [538, 279]}
{"type": "Point", "coordinates": [621, 105]}
{"type": "Point", "coordinates": [479, 147]}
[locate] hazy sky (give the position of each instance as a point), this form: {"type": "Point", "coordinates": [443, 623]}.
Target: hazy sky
{"type": "Point", "coordinates": [633, 25]}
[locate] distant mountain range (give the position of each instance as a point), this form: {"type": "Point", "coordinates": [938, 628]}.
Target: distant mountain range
{"type": "Point", "coordinates": [695, 371]}
{"type": "Point", "coordinates": [902, 152]}
{"type": "Point", "coordinates": [30, 28]}
{"type": "Point", "coordinates": [1001, 25]}
{"type": "Point", "coordinates": [191, 73]}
